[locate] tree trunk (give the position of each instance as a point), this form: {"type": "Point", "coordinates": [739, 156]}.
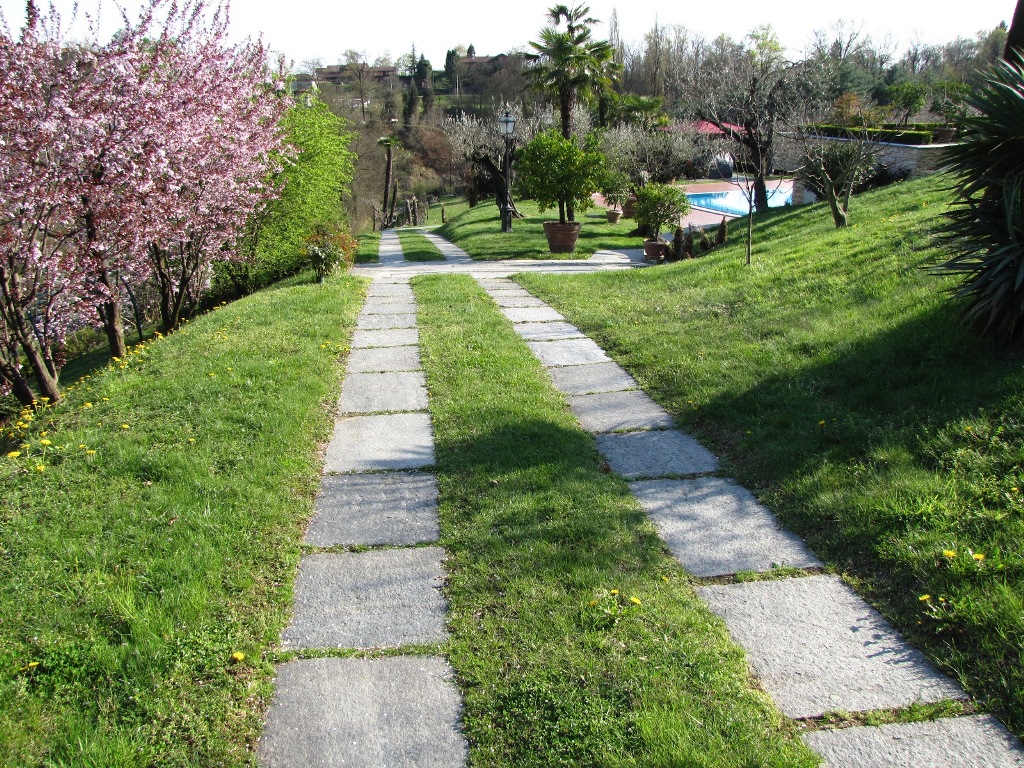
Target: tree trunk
{"type": "Point", "coordinates": [110, 314]}
{"type": "Point", "coordinates": [388, 170]}
{"type": "Point", "coordinates": [1015, 36]}
{"type": "Point", "coordinates": [136, 309]}
{"type": "Point", "coordinates": [760, 192]}
{"type": "Point", "coordinates": [394, 197]}
{"type": "Point", "coordinates": [565, 112]}
{"type": "Point", "coordinates": [19, 385]}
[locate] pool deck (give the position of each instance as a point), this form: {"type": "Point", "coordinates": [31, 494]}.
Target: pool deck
{"type": "Point", "coordinates": [703, 217]}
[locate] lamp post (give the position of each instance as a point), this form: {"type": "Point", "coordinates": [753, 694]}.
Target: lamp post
{"type": "Point", "coordinates": [507, 124]}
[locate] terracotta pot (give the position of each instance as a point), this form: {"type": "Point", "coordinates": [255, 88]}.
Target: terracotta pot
{"type": "Point", "coordinates": [655, 250]}
{"type": "Point", "coordinates": [629, 207]}
{"type": "Point", "coordinates": [562, 237]}
{"type": "Point", "coordinates": [613, 216]}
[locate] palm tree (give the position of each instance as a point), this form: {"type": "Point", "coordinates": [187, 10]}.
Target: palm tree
{"type": "Point", "coordinates": [568, 64]}
{"type": "Point", "coordinates": [986, 226]}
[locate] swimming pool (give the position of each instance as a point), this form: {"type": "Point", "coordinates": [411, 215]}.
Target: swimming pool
{"type": "Point", "coordinates": [734, 201]}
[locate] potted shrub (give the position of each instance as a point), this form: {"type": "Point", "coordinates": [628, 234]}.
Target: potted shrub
{"type": "Point", "coordinates": [615, 191]}
{"type": "Point", "coordinates": [556, 171]}
{"type": "Point", "coordinates": [659, 207]}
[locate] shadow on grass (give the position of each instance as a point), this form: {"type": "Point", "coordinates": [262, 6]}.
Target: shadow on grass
{"type": "Point", "coordinates": [548, 507]}
{"type": "Point", "coordinates": [887, 453]}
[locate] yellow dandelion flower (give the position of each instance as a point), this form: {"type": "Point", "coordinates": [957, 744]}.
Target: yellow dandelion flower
{"type": "Point", "coordinates": [925, 598]}
{"type": "Point", "coordinates": [45, 442]}
{"type": "Point", "coordinates": [40, 468]}
{"type": "Point", "coordinates": [125, 426]}
{"type": "Point", "coordinates": [821, 423]}
{"type": "Point", "coordinates": [87, 405]}
{"type": "Point", "coordinates": [90, 453]}
{"type": "Point", "coordinates": [212, 374]}
{"type": "Point", "coordinates": [664, 578]}
{"type": "Point", "coordinates": [81, 447]}
{"type": "Point", "coordinates": [635, 600]}
{"type": "Point", "coordinates": [13, 454]}
{"type": "Point", "coordinates": [968, 428]}
{"type": "Point", "coordinates": [106, 399]}
{"type": "Point", "coordinates": [978, 556]}
{"type": "Point", "coordinates": [592, 603]}
{"type": "Point", "coordinates": [615, 591]}
{"type": "Point", "coordinates": [238, 656]}
{"type": "Point", "coordinates": [950, 553]}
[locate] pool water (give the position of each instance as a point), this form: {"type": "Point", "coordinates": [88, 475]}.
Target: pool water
{"type": "Point", "coordinates": [734, 201]}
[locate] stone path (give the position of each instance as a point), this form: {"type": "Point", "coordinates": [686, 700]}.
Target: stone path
{"type": "Point", "coordinates": [377, 492]}
{"type": "Point", "coordinates": [813, 643]}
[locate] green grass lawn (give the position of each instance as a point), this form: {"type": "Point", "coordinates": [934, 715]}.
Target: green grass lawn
{"type": "Point", "coordinates": [453, 206]}
{"type": "Point", "coordinates": [150, 530]}
{"type": "Point", "coordinates": [415, 247]}
{"type": "Point", "coordinates": [834, 379]}
{"type": "Point", "coordinates": [576, 637]}
{"type": "Point", "coordinates": [369, 247]}
{"type": "Point", "coordinates": [478, 232]}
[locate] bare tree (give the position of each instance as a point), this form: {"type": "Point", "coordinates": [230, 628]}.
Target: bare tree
{"type": "Point", "coordinates": [359, 74]}
{"type": "Point", "coordinates": [749, 93]}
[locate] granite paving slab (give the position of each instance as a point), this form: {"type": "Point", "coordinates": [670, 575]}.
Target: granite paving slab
{"type": "Point", "coordinates": [390, 441]}
{"type": "Point", "coordinates": [512, 302]}
{"type": "Point", "coordinates": [390, 337]}
{"type": "Point", "coordinates": [400, 712]}
{"type": "Point", "coordinates": [655, 454]}
{"type": "Point", "coordinates": [817, 647]}
{"type": "Point", "coordinates": [367, 322]}
{"type": "Point", "coordinates": [389, 251]}
{"type": "Point", "coordinates": [368, 360]}
{"type": "Point", "coordinates": [401, 290]}
{"type": "Point", "coordinates": [547, 331]}
{"type": "Point", "coordinates": [509, 292]}
{"type": "Point", "coordinates": [532, 315]}
{"type": "Point", "coordinates": [394, 308]}
{"type": "Point", "coordinates": [589, 379]}
{"type": "Point", "coordinates": [451, 251]}
{"type": "Point", "coordinates": [953, 742]}
{"type": "Point", "coordinates": [568, 352]}
{"type": "Point", "coordinates": [392, 391]}
{"type": "Point", "coordinates": [394, 508]}
{"type": "Point", "coordinates": [379, 301]}
{"type": "Point", "coordinates": [715, 527]}
{"type": "Point", "coordinates": [618, 411]}
{"type": "Point", "coordinates": [384, 598]}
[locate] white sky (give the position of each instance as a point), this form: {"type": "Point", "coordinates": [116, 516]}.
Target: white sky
{"type": "Point", "coordinates": [304, 29]}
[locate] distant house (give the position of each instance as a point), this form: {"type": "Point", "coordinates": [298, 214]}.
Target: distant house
{"type": "Point", "coordinates": [700, 127]}
{"type": "Point", "coordinates": [344, 74]}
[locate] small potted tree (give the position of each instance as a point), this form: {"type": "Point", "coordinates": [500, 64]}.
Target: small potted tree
{"type": "Point", "coordinates": [615, 191]}
{"type": "Point", "coordinates": [556, 171]}
{"type": "Point", "coordinates": [659, 207]}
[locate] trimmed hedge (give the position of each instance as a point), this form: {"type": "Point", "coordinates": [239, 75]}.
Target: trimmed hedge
{"type": "Point", "coordinates": [891, 135]}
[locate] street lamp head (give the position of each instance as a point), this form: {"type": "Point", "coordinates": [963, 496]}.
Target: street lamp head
{"type": "Point", "coordinates": [507, 123]}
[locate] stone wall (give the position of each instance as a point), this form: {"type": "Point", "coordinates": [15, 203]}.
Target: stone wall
{"type": "Point", "coordinates": [918, 160]}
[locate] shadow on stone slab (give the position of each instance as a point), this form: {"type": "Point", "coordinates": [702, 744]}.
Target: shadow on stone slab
{"type": "Point", "coordinates": [591, 379]}
{"type": "Point", "coordinates": [547, 331]}
{"type": "Point", "coordinates": [568, 352]}
{"type": "Point", "coordinates": [655, 454]}
{"type": "Point", "coordinates": [618, 411]}
{"type": "Point", "coordinates": [715, 527]}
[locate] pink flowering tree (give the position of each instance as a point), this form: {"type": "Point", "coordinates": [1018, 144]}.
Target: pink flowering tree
{"type": "Point", "coordinates": [139, 158]}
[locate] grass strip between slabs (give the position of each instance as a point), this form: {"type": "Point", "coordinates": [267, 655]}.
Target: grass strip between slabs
{"type": "Point", "coordinates": [415, 247]}
{"type": "Point", "coordinates": [151, 527]}
{"type": "Point", "coordinates": [576, 637]}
